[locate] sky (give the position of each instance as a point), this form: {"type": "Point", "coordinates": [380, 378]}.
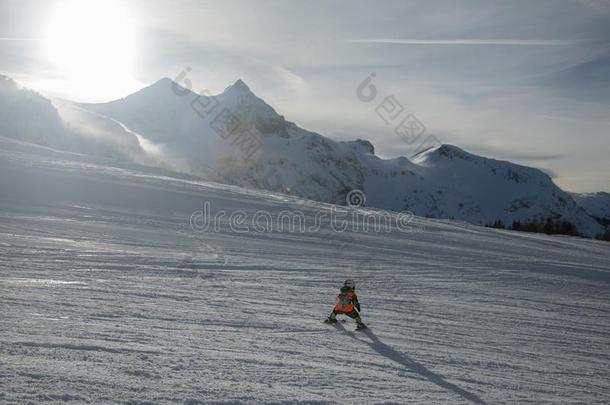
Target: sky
{"type": "Point", "coordinates": [520, 80]}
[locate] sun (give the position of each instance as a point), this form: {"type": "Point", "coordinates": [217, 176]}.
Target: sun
{"type": "Point", "coordinates": [92, 45]}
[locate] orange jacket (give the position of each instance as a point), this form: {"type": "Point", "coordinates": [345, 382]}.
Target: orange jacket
{"type": "Point", "coordinates": [345, 302]}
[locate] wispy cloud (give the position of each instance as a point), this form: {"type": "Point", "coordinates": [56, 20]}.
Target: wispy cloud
{"type": "Point", "coordinates": [598, 4]}
{"type": "Point", "coordinates": [19, 39]}
{"type": "Point", "coordinates": [511, 42]}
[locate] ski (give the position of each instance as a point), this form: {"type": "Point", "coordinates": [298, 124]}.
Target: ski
{"type": "Point", "coordinates": [359, 327]}
{"type": "Point", "coordinates": [338, 321]}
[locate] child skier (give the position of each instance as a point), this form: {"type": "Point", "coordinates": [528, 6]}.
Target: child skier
{"type": "Point", "coordinates": [347, 303]}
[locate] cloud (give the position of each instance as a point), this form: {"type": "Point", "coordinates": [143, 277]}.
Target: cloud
{"type": "Point", "coordinates": [602, 5]}
{"type": "Point", "coordinates": [19, 39]}
{"type": "Point", "coordinates": [511, 42]}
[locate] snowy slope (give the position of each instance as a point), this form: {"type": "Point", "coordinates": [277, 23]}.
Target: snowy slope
{"type": "Point", "coordinates": [596, 204]}
{"type": "Point", "coordinates": [442, 182]}
{"type": "Point", "coordinates": [109, 296]}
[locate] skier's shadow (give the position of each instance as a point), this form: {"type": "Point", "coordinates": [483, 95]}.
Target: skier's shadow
{"type": "Point", "coordinates": [412, 365]}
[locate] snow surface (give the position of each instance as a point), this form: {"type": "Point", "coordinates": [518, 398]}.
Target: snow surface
{"type": "Point", "coordinates": [108, 296]}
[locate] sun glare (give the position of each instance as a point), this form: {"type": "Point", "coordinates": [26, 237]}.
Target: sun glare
{"type": "Point", "coordinates": [92, 43]}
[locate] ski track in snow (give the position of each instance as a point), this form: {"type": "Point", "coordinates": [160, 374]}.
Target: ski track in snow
{"type": "Point", "coordinates": [107, 296]}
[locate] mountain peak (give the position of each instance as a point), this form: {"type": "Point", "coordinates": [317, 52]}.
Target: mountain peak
{"type": "Point", "coordinates": [241, 83]}
{"type": "Point", "coordinates": [160, 90]}
{"type": "Point", "coordinates": [241, 98]}
{"type": "Point", "coordinates": [436, 153]}
{"type": "Point", "coordinates": [166, 82]}
{"type": "Point", "coordinates": [239, 87]}
{"type": "Point", "coordinates": [451, 151]}
{"type": "Point", "coordinates": [161, 83]}
{"type": "Point", "coordinates": [361, 146]}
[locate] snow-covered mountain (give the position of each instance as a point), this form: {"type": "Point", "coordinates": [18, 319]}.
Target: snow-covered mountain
{"type": "Point", "coordinates": [236, 138]}
{"type": "Point", "coordinates": [442, 182]}
{"type": "Point", "coordinates": [29, 116]}
{"type": "Point", "coordinates": [596, 204]}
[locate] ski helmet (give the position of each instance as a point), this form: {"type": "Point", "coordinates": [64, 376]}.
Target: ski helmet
{"type": "Point", "coordinates": [349, 283]}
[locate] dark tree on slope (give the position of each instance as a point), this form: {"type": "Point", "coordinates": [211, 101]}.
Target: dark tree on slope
{"type": "Point", "coordinates": [497, 224]}
{"type": "Point", "coordinates": [604, 236]}
{"type": "Point", "coordinates": [549, 226]}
